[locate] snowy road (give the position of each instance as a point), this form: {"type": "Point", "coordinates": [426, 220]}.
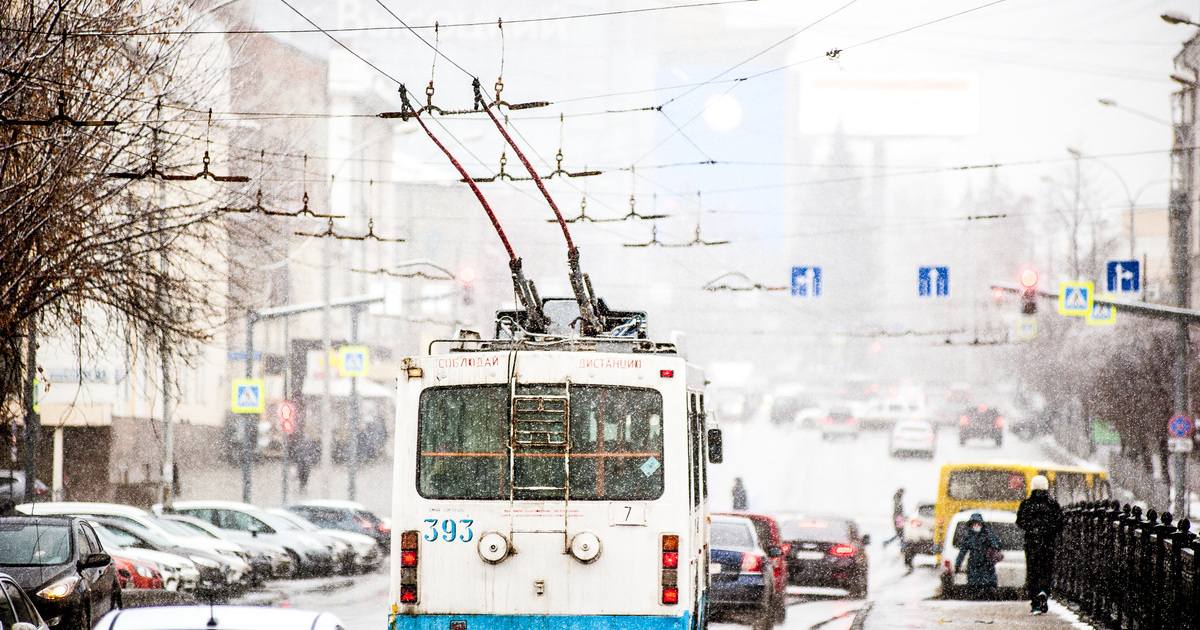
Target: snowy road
{"type": "Point", "coordinates": [794, 470]}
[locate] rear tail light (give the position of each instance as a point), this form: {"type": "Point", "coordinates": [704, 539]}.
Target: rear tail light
{"type": "Point", "coordinates": [826, 420]}
{"type": "Point", "coordinates": [914, 523]}
{"type": "Point", "coordinates": [384, 527]}
{"type": "Point", "coordinates": [752, 563]}
{"type": "Point", "coordinates": [670, 572]}
{"type": "Point", "coordinates": [786, 547]}
{"type": "Point", "coordinates": [362, 522]}
{"type": "Point", "coordinates": [963, 421]}
{"type": "Point", "coordinates": [946, 570]}
{"type": "Point", "coordinates": [851, 420]}
{"type": "Point", "coordinates": [842, 550]}
{"type": "Point", "coordinates": [409, 558]}
{"type": "Point", "coordinates": [666, 373]}
{"type": "Point", "coordinates": [999, 421]}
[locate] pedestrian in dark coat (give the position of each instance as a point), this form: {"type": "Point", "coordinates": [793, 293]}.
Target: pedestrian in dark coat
{"type": "Point", "coordinates": [739, 495]}
{"type": "Point", "coordinates": [974, 548]}
{"type": "Point", "coordinates": [1040, 517]}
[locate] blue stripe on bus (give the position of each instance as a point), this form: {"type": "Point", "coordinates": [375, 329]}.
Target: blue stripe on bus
{"type": "Point", "coordinates": [543, 622]}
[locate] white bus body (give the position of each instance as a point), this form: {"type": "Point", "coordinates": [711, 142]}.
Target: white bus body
{"type": "Point", "coordinates": [578, 541]}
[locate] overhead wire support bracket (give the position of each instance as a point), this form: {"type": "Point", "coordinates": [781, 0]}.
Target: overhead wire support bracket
{"type": "Point", "coordinates": [720, 284]}
{"type": "Point", "coordinates": [153, 172]}
{"type": "Point", "coordinates": [61, 118]}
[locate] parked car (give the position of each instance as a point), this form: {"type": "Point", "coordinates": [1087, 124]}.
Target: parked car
{"type": "Point", "coordinates": [918, 533]}
{"type": "Point", "coordinates": [178, 573]}
{"type": "Point", "coordinates": [913, 437]}
{"type": "Point", "coordinates": [61, 564]}
{"type": "Point", "coordinates": [311, 554]}
{"type": "Point", "coordinates": [206, 617]}
{"type": "Point", "coordinates": [839, 421]}
{"type": "Point", "coordinates": [12, 487]}
{"type": "Point", "coordinates": [17, 609]}
{"type": "Point", "coordinates": [766, 530]}
{"type": "Point", "coordinates": [136, 573]}
{"type": "Point", "coordinates": [740, 579]}
{"type": "Point", "coordinates": [347, 516]}
{"type": "Point", "coordinates": [1010, 572]}
{"type": "Point", "coordinates": [217, 573]}
{"type": "Point", "coordinates": [365, 554]}
{"type": "Point", "coordinates": [981, 422]}
{"type": "Point", "coordinates": [826, 552]}
{"type": "Point", "coordinates": [266, 559]}
{"type": "Point", "coordinates": [136, 516]}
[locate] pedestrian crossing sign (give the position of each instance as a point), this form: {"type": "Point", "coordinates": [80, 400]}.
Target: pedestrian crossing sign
{"type": "Point", "coordinates": [1102, 314]}
{"type": "Point", "coordinates": [354, 360]}
{"type": "Point", "coordinates": [1075, 298]}
{"type": "Point", "coordinates": [248, 396]}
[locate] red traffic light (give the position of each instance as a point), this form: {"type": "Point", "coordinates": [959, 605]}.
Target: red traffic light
{"type": "Point", "coordinates": [1029, 278]}
{"type": "Point", "coordinates": [287, 416]}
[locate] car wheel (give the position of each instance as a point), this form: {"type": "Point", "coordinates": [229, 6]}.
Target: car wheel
{"type": "Point", "coordinates": [297, 569]}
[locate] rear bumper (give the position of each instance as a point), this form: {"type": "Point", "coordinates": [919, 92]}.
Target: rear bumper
{"type": "Point", "coordinates": [541, 622]}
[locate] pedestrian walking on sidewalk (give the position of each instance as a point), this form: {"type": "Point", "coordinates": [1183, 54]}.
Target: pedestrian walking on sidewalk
{"type": "Point", "coordinates": [739, 495]}
{"type": "Point", "coordinates": [897, 519]}
{"type": "Point", "coordinates": [1040, 517]}
{"type": "Point", "coordinates": [976, 543]}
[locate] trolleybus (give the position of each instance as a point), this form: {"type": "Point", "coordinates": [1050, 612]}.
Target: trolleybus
{"type": "Point", "coordinates": [551, 481]}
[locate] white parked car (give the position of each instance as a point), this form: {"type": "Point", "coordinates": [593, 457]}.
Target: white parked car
{"type": "Point", "coordinates": [1010, 572]}
{"type": "Point", "coordinates": [885, 413]}
{"type": "Point", "coordinates": [217, 617]}
{"type": "Point", "coordinates": [913, 438]}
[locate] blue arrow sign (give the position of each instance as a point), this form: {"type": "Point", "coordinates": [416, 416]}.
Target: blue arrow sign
{"type": "Point", "coordinates": [933, 281]}
{"type": "Point", "coordinates": [806, 281]}
{"type": "Point", "coordinates": [1124, 276]}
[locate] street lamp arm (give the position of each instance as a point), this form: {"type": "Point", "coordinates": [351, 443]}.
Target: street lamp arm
{"type": "Point", "coordinates": [1176, 17]}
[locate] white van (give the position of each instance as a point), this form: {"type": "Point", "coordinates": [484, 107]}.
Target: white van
{"type": "Point", "coordinates": [1010, 572]}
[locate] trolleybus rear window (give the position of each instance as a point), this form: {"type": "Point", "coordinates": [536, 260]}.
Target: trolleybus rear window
{"type": "Point", "coordinates": [615, 437]}
{"type": "Point", "coordinates": [987, 484]}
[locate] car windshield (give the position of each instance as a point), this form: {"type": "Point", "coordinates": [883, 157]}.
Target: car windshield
{"type": "Point", "coordinates": [727, 534]}
{"type": "Point", "coordinates": [819, 530]}
{"type": "Point", "coordinates": [184, 528]}
{"type": "Point", "coordinates": [34, 544]}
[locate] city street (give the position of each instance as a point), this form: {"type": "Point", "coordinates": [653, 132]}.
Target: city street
{"type": "Point", "coordinates": [787, 470]}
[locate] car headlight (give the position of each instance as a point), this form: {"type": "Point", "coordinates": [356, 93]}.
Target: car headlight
{"type": "Point", "coordinates": [205, 562]}
{"type": "Point", "coordinates": [60, 589]}
{"type": "Point", "coordinates": [144, 571]}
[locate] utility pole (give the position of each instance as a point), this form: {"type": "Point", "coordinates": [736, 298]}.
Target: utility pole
{"type": "Point", "coordinates": [33, 422]}
{"type": "Point", "coordinates": [1180, 213]}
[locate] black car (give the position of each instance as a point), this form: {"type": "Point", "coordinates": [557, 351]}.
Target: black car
{"type": "Point", "coordinates": [741, 581]}
{"type": "Point", "coordinates": [347, 516]}
{"type": "Point", "coordinates": [981, 422]}
{"type": "Point", "coordinates": [826, 552]}
{"type": "Point", "coordinates": [60, 563]}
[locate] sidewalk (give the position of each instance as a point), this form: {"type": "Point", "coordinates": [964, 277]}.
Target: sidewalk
{"type": "Point", "coordinates": [933, 613]}
{"type": "Point", "coordinates": [221, 480]}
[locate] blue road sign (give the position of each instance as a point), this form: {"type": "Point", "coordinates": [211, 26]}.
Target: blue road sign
{"type": "Point", "coordinates": [1180, 426]}
{"type": "Point", "coordinates": [933, 281]}
{"type": "Point", "coordinates": [1124, 276]}
{"type": "Point", "coordinates": [1075, 298]}
{"type": "Point", "coordinates": [247, 396]}
{"type": "Point", "coordinates": [806, 281]}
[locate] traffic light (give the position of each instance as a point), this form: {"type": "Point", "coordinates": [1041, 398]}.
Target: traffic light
{"type": "Point", "coordinates": [466, 280]}
{"type": "Point", "coordinates": [1029, 280]}
{"type": "Point", "coordinates": [287, 417]}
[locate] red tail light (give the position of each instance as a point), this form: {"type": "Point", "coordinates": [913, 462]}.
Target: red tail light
{"type": "Point", "coordinates": [851, 420]}
{"type": "Point", "coordinates": [408, 593]}
{"type": "Point", "coordinates": [786, 547]}
{"type": "Point", "coordinates": [362, 522]}
{"type": "Point", "coordinates": [752, 563]}
{"type": "Point", "coordinates": [963, 421]}
{"type": "Point", "coordinates": [842, 550]}
{"type": "Point", "coordinates": [914, 523]}
{"type": "Point", "coordinates": [669, 574]}
{"type": "Point", "coordinates": [670, 559]}
{"type": "Point", "coordinates": [826, 420]}
{"type": "Point", "coordinates": [408, 558]}
{"type": "Point", "coordinates": [384, 527]}
{"type": "Point", "coordinates": [946, 570]}
{"type": "Point", "coordinates": [670, 595]}
{"type": "Point", "coordinates": [666, 373]}
{"type": "Point", "coordinates": [999, 421]}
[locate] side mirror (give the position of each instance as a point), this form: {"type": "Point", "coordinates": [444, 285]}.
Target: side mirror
{"type": "Point", "coordinates": [95, 560]}
{"type": "Point", "coordinates": [866, 538]}
{"type": "Point", "coordinates": [716, 451]}
{"type": "Point", "coordinates": [254, 532]}
{"type": "Point", "coordinates": [774, 551]}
